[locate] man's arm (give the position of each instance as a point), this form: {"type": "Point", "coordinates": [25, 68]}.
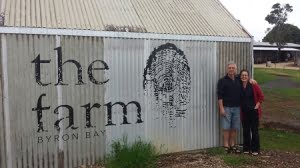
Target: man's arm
{"type": "Point", "coordinates": [220, 97]}
{"type": "Point", "coordinates": [221, 107]}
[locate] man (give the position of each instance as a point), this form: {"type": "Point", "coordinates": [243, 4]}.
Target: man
{"type": "Point", "coordinates": [229, 91]}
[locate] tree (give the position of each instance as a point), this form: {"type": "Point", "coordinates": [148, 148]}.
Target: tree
{"type": "Point", "coordinates": [290, 34]}
{"type": "Point", "coordinates": [277, 17]}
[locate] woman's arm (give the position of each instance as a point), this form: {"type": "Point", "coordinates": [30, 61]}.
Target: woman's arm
{"type": "Point", "coordinates": [260, 96]}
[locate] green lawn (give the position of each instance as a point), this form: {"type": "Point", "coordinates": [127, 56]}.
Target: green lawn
{"type": "Point", "coordinates": [279, 140]}
{"type": "Point", "coordinates": [283, 94]}
{"type": "Point", "coordinates": [263, 75]}
{"type": "Point", "coordinates": [281, 104]}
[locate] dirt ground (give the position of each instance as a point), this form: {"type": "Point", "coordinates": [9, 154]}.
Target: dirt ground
{"type": "Point", "coordinates": [200, 159]}
{"type": "Point", "coordinates": [281, 82]}
{"type": "Point", "coordinates": [190, 160]}
{"type": "Point", "coordinates": [271, 159]}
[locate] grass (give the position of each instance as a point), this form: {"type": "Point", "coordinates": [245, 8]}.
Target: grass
{"type": "Point", "coordinates": [270, 140]}
{"type": "Point", "coordinates": [263, 75]}
{"type": "Point", "coordinates": [136, 155]}
{"type": "Point", "coordinates": [234, 160]}
{"type": "Point", "coordinates": [281, 103]}
{"type": "Point", "coordinates": [239, 160]}
{"type": "Point", "coordinates": [283, 94]}
{"type": "Point", "coordinates": [279, 140]}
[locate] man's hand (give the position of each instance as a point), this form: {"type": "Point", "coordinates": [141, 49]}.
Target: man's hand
{"type": "Point", "coordinates": [222, 112]}
{"type": "Point", "coordinates": [252, 81]}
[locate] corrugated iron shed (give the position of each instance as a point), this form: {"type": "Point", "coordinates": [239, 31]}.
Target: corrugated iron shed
{"type": "Point", "coordinates": [183, 17]}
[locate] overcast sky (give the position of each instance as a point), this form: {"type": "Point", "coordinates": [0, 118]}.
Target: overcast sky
{"type": "Point", "coordinates": [252, 14]}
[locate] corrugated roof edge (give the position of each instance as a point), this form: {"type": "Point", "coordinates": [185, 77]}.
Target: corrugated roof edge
{"type": "Point", "coordinates": [112, 28]}
{"type": "Point", "coordinates": [236, 20]}
{"type": "Point", "coordinates": [125, 29]}
{"type": "Point", "coordinates": [91, 33]}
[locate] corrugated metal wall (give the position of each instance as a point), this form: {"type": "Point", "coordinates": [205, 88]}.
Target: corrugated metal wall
{"type": "Point", "coordinates": [125, 60]}
{"type": "Point", "coordinates": [162, 91]}
{"type": "Point", "coordinates": [74, 143]}
{"type": "Point", "coordinates": [2, 127]}
{"type": "Point", "coordinates": [198, 129]}
{"type": "Point", "coordinates": [241, 54]}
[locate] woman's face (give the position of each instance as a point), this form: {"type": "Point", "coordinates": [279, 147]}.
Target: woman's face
{"type": "Point", "coordinates": [244, 76]}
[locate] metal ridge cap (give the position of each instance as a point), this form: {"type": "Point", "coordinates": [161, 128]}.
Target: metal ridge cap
{"type": "Point", "coordinates": [94, 33]}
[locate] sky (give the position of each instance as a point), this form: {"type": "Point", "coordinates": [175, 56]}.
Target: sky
{"type": "Point", "coordinates": [252, 13]}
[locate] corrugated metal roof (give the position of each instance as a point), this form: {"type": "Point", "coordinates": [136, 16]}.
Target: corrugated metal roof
{"type": "Point", "coordinates": [267, 44]}
{"type": "Point", "coordinates": [188, 17]}
{"type": "Point", "coordinates": [274, 49]}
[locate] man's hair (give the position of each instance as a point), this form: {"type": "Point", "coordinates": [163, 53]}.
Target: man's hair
{"type": "Point", "coordinates": [231, 63]}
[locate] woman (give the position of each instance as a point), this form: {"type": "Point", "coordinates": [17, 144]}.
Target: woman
{"type": "Point", "coordinates": [251, 100]}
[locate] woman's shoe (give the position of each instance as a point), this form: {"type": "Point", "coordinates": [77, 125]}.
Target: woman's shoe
{"type": "Point", "coordinates": [246, 152]}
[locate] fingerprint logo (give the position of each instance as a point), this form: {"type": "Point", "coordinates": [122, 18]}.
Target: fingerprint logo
{"type": "Point", "coordinates": [167, 78]}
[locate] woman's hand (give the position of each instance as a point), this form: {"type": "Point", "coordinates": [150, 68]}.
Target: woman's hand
{"type": "Point", "coordinates": [257, 106]}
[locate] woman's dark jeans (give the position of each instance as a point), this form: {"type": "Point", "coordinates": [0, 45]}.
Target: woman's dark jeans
{"type": "Point", "coordinates": [250, 131]}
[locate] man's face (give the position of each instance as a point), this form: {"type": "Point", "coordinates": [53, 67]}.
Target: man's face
{"type": "Point", "coordinates": [231, 69]}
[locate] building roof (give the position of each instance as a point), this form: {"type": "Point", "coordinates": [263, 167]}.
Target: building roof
{"type": "Point", "coordinates": [183, 17]}
{"type": "Point", "coordinates": [267, 44]}
{"type": "Point", "coordinates": [274, 49]}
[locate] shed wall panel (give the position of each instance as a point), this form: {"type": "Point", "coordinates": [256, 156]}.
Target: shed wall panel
{"type": "Point", "coordinates": [197, 128]}
{"type": "Point", "coordinates": [66, 136]}
{"type": "Point", "coordinates": [2, 124]}
{"type": "Point", "coordinates": [241, 54]}
{"type": "Point", "coordinates": [129, 59]}
{"type": "Point", "coordinates": [163, 91]}
{"type": "Point", "coordinates": [125, 74]}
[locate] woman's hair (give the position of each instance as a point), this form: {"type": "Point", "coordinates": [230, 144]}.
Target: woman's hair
{"type": "Point", "coordinates": [244, 70]}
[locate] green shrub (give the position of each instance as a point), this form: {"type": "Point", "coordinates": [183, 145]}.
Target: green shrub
{"type": "Point", "coordinates": [136, 155]}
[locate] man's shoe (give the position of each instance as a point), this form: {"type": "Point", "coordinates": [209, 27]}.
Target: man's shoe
{"type": "Point", "coordinates": [236, 149]}
{"type": "Point", "coordinates": [227, 149]}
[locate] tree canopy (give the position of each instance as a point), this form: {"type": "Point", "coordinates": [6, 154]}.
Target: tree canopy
{"type": "Point", "coordinates": [279, 14]}
{"type": "Point", "coordinates": [277, 17]}
{"type": "Point", "coordinates": [289, 34]}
